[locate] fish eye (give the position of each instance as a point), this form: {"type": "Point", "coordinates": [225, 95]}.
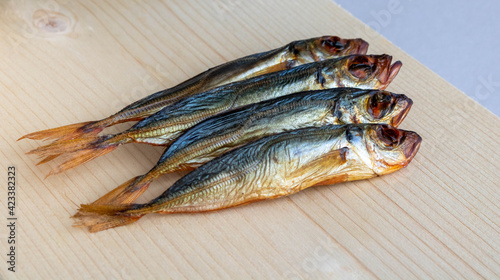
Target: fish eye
{"type": "Point", "coordinates": [380, 104]}
{"type": "Point", "coordinates": [360, 71]}
{"type": "Point", "coordinates": [333, 43]}
{"type": "Point", "coordinates": [390, 136]}
{"type": "Point", "coordinates": [362, 68]}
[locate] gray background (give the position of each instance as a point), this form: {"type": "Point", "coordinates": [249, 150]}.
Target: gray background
{"type": "Point", "coordinates": [459, 40]}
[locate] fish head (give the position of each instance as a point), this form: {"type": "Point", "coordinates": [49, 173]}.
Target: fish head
{"type": "Point", "coordinates": [368, 71]}
{"type": "Point", "coordinates": [326, 47]}
{"type": "Point", "coordinates": [383, 148]}
{"type": "Point", "coordinates": [373, 106]}
{"type": "Point", "coordinates": [332, 46]}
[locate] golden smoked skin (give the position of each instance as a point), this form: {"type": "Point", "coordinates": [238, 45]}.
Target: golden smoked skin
{"type": "Point", "coordinates": [272, 167]}
{"type": "Point", "coordinates": [166, 125]}
{"type": "Point", "coordinates": [374, 71]}
{"type": "Point", "coordinates": [224, 132]}
{"type": "Point", "coordinates": [293, 54]}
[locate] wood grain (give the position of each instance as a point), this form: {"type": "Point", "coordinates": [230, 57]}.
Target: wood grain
{"type": "Point", "coordinates": [71, 61]}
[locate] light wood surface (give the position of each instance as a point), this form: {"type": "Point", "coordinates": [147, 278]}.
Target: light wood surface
{"type": "Point", "coordinates": [71, 61]}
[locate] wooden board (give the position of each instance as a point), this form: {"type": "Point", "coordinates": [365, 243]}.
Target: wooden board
{"type": "Point", "coordinates": [71, 61]}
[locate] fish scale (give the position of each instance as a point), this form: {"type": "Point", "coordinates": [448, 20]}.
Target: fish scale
{"type": "Point", "coordinates": [272, 167]}
{"type": "Point", "coordinates": [178, 117]}
{"type": "Point", "coordinates": [226, 131]}
{"type": "Point", "coordinates": [293, 54]}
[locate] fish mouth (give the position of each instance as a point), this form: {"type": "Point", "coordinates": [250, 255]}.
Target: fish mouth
{"type": "Point", "coordinates": [389, 72]}
{"type": "Point", "coordinates": [393, 72]}
{"type": "Point", "coordinates": [398, 119]}
{"type": "Point", "coordinates": [362, 46]}
{"type": "Point", "coordinates": [412, 145]}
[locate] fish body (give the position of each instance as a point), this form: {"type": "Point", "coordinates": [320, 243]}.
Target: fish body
{"type": "Point", "coordinates": [374, 71]}
{"type": "Point", "coordinates": [272, 167]}
{"type": "Point", "coordinates": [224, 132]}
{"type": "Point", "coordinates": [366, 72]}
{"type": "Point", "coordinates": [293, 54]}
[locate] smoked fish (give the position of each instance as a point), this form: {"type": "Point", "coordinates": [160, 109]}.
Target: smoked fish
{"type": "Point", "coordinates": [362, 71]}
{"type": "Point", "coordinates": [218, 134]}
{"type": "Point", "coordinates": [286, 57]}
{"type": "Point", "coordinates": [271, 167]}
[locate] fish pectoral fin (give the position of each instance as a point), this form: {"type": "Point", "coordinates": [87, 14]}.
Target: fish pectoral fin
{"type": "Point", "coordinates": [275, 68]}
{"type": "Point", "coordinates": [337, 179]}
{"type": "Point", "coordinates": [335, 159]}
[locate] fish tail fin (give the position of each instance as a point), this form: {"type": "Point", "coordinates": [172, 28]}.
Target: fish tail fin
{"type": "Point", "coordinates": [102, 146]}
{"type": "Point", "coordinates": [102, 217]}
{"type": "Point", "coordinates": [66, 132]}
{"type": "Point", "coordinates": [125, 193]}
{"type": "Point", "coordinates": [47, 159]}
{"type": "Point", "coordinates": [65, 146]}
{"type": "Point", "coordinates": [81, 157]}
{"type": "Point", "coordinates": [104, 209]}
